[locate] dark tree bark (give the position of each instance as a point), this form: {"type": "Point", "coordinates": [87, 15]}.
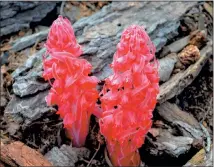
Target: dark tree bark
{"type": "Point", "coordinates": [15, 16]}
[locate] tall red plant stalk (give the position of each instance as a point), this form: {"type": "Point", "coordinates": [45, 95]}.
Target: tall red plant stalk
{"type": "Point", "coordinates": [129, 97]}
{"type": "Point", "coordinates": [72, 89]}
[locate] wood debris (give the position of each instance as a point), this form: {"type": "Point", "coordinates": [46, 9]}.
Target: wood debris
{"type": "Point", "coordinates": [18, 154]}
{"type": "Point", "coordinates": [181, 80]}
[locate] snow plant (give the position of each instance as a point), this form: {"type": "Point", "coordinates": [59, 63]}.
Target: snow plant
{"type": "Point", "coordinates": [73, 90]}
{"type": "Point", "coordinates": [129, 96]}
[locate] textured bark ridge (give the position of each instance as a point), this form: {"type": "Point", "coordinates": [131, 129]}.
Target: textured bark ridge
{"type": "Point", "coordinates": [18, 15]}
{"type": "Point", "coordinates": [99, 35]}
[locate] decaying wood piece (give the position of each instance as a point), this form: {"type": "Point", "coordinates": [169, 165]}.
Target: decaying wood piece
{"type": "Point", "coordinates": [27, 41]}
{"type": "Point", "coordinates": [201, 159]}
{"type": "Point", "coordinates": [179, 132]}
{"type": "Point", "coordinates": [184, 121]}
{"type": "Point", "coordinates": [164, 142]}
{"type": "Point", "coordinates": [18, 154]}
{"type": "Point", "coordinates": [176, 84]}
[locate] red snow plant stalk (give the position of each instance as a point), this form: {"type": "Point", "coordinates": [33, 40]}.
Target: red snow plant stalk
{"type": "Point", "coordinates": [72, 89]}
{"type": "Point", "coordinates": [129, 97]}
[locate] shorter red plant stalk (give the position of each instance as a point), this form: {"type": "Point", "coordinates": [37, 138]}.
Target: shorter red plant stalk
{"type": "Point", "coordinates": [129, 97]}
{"type": "Point", "coordinates": [72, 90]}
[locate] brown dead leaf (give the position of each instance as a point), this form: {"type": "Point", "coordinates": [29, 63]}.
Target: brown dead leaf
{"type": "Point", "coordinates": [19, 154]}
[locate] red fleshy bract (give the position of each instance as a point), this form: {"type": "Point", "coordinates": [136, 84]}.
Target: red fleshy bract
{"type": "Point", "coordinates": [72, 90]}
{"type": "Point", "coordinates": [129, 97]}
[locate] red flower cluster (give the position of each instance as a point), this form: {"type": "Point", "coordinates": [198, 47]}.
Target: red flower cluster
{"type": "Point", "coordinates": [61, 38]}
{"type": "Point", "coordinates": [129, 97]}
{"type": "Point", "coordinates": [72, 90]}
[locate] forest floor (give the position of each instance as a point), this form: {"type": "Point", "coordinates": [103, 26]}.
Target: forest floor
{"type": "Point", "coordinates": [47, 133]}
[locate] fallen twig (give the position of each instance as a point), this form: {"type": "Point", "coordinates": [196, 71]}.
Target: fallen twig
{"type": "Point", "coordinates": [82, 159]}
{"type": "Point", "coordinates": [94, 155]}
{"type": "Point", "coordinates": [207, 148]}
{"type": "Point", "coordinates": [58, 124]}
